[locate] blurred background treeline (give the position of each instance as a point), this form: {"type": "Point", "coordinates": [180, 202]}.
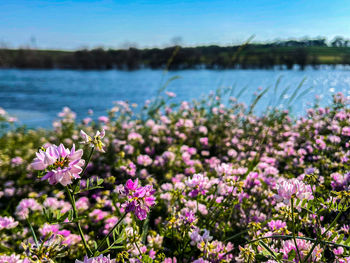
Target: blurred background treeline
{"type": "Point", "coordinates": [281, 54]}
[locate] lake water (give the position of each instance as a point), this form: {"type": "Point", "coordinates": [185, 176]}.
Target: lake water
{"type": "Point", "coordinates": [36, 96]}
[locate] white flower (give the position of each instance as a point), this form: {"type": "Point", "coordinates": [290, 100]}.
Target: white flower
{"type": "Point", "coordinates": [96, 141]}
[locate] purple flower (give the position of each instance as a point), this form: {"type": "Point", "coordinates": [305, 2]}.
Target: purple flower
{"type": "Point", "coordinates": [199, 184]}
{"type": "Point", "coordinates": [310, 170]}
{"type": "Point", "coordinates": [276, 224]}
{"type": "Point", "coordinates": [340, 181]}
{"type": "Point", "coordinates": [61, 164]}
{"type": "Point", "coordinates": [140, 198]}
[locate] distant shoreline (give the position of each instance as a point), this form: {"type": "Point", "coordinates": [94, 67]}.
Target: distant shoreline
{"type": "Point", "coordinates": [283, 55]}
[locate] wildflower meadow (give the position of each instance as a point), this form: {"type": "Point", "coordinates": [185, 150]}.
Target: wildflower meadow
{"type": "Point", "coordinates": [202, 181]}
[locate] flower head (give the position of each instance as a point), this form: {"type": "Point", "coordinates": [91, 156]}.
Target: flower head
{"type": "Point", "coordinates": [7, 222]}
{"type": "Point", "coordinates": [140, 198]}
{"type": "Point", "coordinates": [293, 188]}
{"type": "Point", "coordinates": [61, 164]}
{"type": "Point", "coordinates": [25, 206]}
{"type": "Point", "coordinates": [96, 141]}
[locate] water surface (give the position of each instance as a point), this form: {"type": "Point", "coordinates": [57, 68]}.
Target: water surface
{"type": "Point", "coordinates": [36, 96]}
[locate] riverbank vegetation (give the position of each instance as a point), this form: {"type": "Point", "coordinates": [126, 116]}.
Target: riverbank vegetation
{"type": "Point", "coordinates": [282, 54]}
{"type": "Point", "coordinates": [189, 182]}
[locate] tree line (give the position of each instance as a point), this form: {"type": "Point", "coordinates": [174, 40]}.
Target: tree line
{"type": "Point", "coordinates": [284, 54]}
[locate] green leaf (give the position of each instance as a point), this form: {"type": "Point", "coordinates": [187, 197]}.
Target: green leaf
{"type": "Point", "coordinates": [291, 255]}
{"type": "Point", "coordinates": [340, 238]}
{"type": "Point", "coordinates": [116, 247]}
{"type": "Point", "coordinates": [333, 236]}
{"type": "Point", "coordinates": [99, 181]}
{"type": "Point", "coordinates": [347, 242]}
{"type": "Point", "coordinates": [145, 230]}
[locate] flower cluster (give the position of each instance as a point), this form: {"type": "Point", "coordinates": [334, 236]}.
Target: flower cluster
{"type": "Point", "coordinates": [7, 222]}
{"type": "Point", "coordinates": [293, 188]}
{"type": "Point", "coordinates": [139, 198]}
{"type": "Point", "coordinates": [60, 164]}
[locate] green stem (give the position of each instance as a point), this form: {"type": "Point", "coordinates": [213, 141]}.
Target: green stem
{"type": "Point", "coordinates": [110, 232]}
{"type": "Point", "coordinates": [293, 228]}
{"type": "Point", "coordinates": [135, 242]}
{"type": "Point", "coordinates": [88, 161]}
{"type": "Point", "coordinates": [33, 233]}
{"type": "Point", "coordinates": [75, 216]}
{"type": "Point", "coordinates": [272, 253]}
{"type": "Point", "coordinates": [236, 235]}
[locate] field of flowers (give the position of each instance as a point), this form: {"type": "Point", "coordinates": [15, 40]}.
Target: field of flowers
{"type": "Point", "coordinates": [194, 182]}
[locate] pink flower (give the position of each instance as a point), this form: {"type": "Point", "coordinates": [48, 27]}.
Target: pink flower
{"type": "Point", "coordinates": [130, 169]}
{"type": "Point", "coordinates": [346, 131]}
{"type": "Point", "coordinates": [87, 120]}
{"type": "Point", "coordinates": [170, 260]}
{"type": "Point", "coordinates": [303, 247]}
{"type": "Point", "coordinates": [12, 259]}
{"type": "Point", "coordinates": [340, 181]}
{"type": "Point", "coordinates": [199, 184]}
{"type": "Point", "coordinates": [98, 214]}
{"type": "Point", "coordinates": [287, 189]}
{"type": "Point", "coordinates": [16, 161]}
{"type": "Point", "coordinates": [129, 149]}
{"type": "Point", "coordinates": [7, 223]}
{"type": "Point", "coordinates": [204, 141]}
{"type": "Point", "coordinates": [135, 136]}
{"type": "Point", "coordinates": [144, 160]}
{"type": "Point", "coordinates": [61, 164]}
{"type": "Point", "coordinates": [276, 224]}
{"type": "Point", "coordinates": [48, 230]}
{"type": "Point", "coordinates": [109, 223]}
{"type": "Point", "coordinates": [83, 203]}
{"type": "Point", "coordinates": [54, 203]}
{"type": "Point", "coordinates": [68, 115]}
{"type": "Point", "coordinates": [140, 199]}
{"type": "Point", "coordinates": [338, 251]}
{"type": "Point", "coordinates": [170, 94]}
{"type": "Point", "coordinates": [22, 210]}
{"type": "Point", "coordinates": [103, 119]}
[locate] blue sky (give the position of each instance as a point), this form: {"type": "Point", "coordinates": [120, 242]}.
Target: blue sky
{"type": "Point", "coordinates": [117, 23]}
